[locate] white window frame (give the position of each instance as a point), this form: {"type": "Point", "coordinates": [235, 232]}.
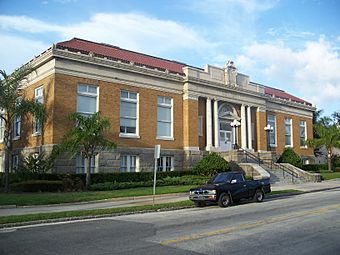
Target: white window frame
{"type": "Point", "coordinates": [80, 164]}
{"type": "Point", "coordinates": [88, 94]}
{"type": "Point", "coordinates": [38, 98]}
{"type": "Point", "coordinates": [130, 100]}
{"type": "Point", "coordinates": [305, 127]}
{"type": "Point", "coordinates": [200, 125]}
{"type": "Point", "coordinates": [2, 126]}
{"type": "Point", "coordinates": [273, 130]}
{"type": "Point", "coordinates": [128, 167]}
{"type": "Point", "coordinates": [291, 131]}
{"type": "Point", "coordinates": [165, 105]}
{"type": "Point", "coordinates": [17, 122]}
{"type": "Point", "coordinates": [162, 167]}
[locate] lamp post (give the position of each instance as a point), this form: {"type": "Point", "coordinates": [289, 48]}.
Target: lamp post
{"type": "Point", "coordinates": [235, 124]}
{"type": "Point", "coordinates": [268, 128]}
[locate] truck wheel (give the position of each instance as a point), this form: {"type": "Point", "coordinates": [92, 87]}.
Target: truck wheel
{"type": "Point", "coordinates": [259, 195]}
{"type": "Point", "coordinates": [199, 204]}
{"type": "Point", "coordinates": [224, 200]}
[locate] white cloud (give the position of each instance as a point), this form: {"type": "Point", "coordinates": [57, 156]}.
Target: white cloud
{"type": "Point", "coordinates": [19, 50]}
{"type": "Point", "coordinates": [132, 31]}
{"type": "Point", "coordinates": [138, 32]}
{"type": "Point", "coordinates": [27, 24]}
{"type": "Point", "coordinates": [311, 73]}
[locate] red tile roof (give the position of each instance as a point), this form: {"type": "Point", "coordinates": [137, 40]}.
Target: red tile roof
{"type": "Point", "coordinates": [127, 56]}
{"type": "Point", "coordinates": [284, 95]}
{"type": "Point", "coordinates": [116, 53]}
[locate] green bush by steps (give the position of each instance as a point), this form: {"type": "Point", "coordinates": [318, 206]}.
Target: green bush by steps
{"type": "Point", "coordinates": [210, 165]}
{"type": "Point", "coordinates": [291, 157]}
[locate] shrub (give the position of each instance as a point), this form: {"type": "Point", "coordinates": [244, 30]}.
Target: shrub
{"type": "Point", "coordinates": [168, 181]}
{"type": "Point", "coordinates": [289, 156]}
{"type": "Point", "coordinates": [211, 164]}
{"type": "Point", "coordinates": [36, 163]}
{"type": "Point", "coordinates": [315, 167]}
{"type": "Point", "coordinates": [37, 186]}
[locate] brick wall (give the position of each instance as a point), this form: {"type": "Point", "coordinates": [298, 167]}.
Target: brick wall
{"type": "Point", "coordinates": [109, 106]}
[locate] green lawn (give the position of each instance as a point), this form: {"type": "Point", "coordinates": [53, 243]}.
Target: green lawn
{"type": "Point", "coordinates": [21, 199]}
{"type": "Point", "coordinates": [96, 212]}
{"type": "Point", "coordinates": [330, 175]}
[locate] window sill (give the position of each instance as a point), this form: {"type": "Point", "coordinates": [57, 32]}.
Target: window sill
{"type": "Point", "coordinates": [273, 145]}
{"type": "Point", "coordinates": [288, 146]}
{"type": "Point", "coordinates": [132, 136]}
{"type": "Point", "coordinates": [36, 134]}
{"type": "Point", "coordinates": [165, 138]}
{"type": "Point", "coordinates": [304, 147]}
{"type": "Point", "coordinates": [16, 138]}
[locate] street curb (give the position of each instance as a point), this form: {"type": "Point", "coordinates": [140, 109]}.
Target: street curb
{"type": "Point", "coordinates": [18, 224]}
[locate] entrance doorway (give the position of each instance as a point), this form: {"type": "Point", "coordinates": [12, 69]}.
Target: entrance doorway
{"type": "Point", "coordinates": [226, 135]}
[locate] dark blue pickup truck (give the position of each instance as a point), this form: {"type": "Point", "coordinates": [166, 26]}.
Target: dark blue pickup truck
{"type": "Point", "coordinates": [228, 188]}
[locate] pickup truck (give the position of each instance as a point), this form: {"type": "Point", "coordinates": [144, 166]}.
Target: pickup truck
{"type": "Point", "coordinates": [227, 188]}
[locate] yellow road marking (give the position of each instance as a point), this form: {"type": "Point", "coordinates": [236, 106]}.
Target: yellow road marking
{"type": "Point", "coordinates": [250, 225]}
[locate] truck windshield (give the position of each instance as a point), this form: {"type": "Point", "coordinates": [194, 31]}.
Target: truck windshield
{"type": "Point", "coordinates": [221, 178]}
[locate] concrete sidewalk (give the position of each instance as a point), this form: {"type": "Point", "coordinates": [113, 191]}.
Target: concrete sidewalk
{"type": "Point", "coordinates": [147, 200]}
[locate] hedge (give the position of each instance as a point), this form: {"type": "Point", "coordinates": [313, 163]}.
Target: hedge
{"type": "Point", "coordinates": [37, 186]}
{"type": "Point", "coordinates": [315, 167]}
{"type": "Point", "coordinates": [168, 181]}
{"type": "Point", "coordinates": [96, 177]}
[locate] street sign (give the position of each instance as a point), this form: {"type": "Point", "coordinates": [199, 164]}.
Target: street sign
{"type": "Point", "coordinates": [156, 156]}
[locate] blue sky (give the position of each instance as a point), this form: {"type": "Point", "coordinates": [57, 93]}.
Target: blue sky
{"type": "Point", "coordinates": [293, 45]}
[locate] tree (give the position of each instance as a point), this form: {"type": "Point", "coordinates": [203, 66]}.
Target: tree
{"type": "Point", "coordinates": [13, 104]}
{"type": "Point", "coordinates": [328, 136]}
{"type": "Point", "coordinates": [86, 138]}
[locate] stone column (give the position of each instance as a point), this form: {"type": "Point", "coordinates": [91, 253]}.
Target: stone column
{"type": "Point", "coordinates": [250, 146]}
{"type": "Point", "coordinates": [208, 124]}
{"type": "Point", "coordinates": [243, 128]}
{"type": "Point", "coordinates": [216, 125]}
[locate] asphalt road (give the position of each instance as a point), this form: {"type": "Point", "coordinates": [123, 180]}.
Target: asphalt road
{"type": "Point", "coordinates": [302, 224]}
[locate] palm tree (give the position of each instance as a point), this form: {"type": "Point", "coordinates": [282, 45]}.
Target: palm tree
{"type": "Point", "coordinates": [86, 138]}
{"type": "Point", "coordinates": [13, 104]}
{"type": "Point", "coordinates": [328, 136]}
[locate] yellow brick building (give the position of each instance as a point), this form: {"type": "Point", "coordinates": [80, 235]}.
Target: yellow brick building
{"type": "Point", "coordinates": [189, 111]}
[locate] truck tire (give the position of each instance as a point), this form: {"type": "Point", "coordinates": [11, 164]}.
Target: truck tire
{"type": "Point", "coordinates": [224, 200]}
{"type": "Point", "coordinates": [259, 195]}
{"type": "Point", "coordinates": [199, 204]}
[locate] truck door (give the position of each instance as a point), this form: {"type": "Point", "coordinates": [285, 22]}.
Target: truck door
{"type": "Point", "coordinates": [239, 187]}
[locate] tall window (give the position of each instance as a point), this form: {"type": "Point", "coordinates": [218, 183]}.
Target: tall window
{"type": "Point", "coordinates": [271, 120]}
{"type": "Point", "coordinates": [15, 162]}
{"type": "Point", "coordinates": [80, 164]}
{"type": "Point", "coordinates": [128, 113]}
{"type": "Point", "coordinates": [200, 125]}
{"type": "Point", "coordinates": [165, 164]}
{"type": "Point", "coordinates": [164, 117]}
{"type": "Point", "coordinates": [87, 99]}
{"type": "Point", "coordinates": [38, 98]}
{"type": "Point", "coordinates": [288, 132]}
{"type": "Point", "coordinates": [303, 136]}
{"type": "Point", "coordinates": [129, 163]}
{"type": "Point", "coordinates": [2, 125]}
{"type": "Point", "coordinates": [17, 122]}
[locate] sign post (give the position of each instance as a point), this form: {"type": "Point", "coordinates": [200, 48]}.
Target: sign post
{"type": "Point", "coordinates": [157, 155]}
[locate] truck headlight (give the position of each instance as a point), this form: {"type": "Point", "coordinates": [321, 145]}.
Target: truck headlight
{"type": "Point", "coordinates": [211, 192]}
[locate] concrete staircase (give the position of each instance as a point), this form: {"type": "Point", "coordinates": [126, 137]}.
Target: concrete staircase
{"type": "Point", "coordinates": [261, 165]}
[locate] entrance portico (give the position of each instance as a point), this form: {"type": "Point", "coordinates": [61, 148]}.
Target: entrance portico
{"type": "Point", "coordinates": [220, 135]}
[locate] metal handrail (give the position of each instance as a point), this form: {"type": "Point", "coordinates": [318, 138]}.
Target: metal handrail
{"type": "Point", "coordinates": [270, 165]}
